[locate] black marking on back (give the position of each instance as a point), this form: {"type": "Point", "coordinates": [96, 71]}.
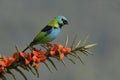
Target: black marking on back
{"type": "Point", "coordinates": [48, 29]}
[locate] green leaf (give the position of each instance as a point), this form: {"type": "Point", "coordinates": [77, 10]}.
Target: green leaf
{"type": "Point", "coordinates": [8, 71]}
{"type": "Point", "coordinates": [63, 62]}
{"type": "Point", "coordinates": [52, 63]}
{"type": "Point", "coordinates": [47, 66]}
{"type": "Point", "coordinates": [18, 70]}
{"type": "Point", "coordinates": [69, 58]}
{"type": "Point", "coordinates": [31, 70]}
{"type": "Point", "coordinates": [2, 77]}
{"type": "Point", "coordinates": [66, 42]}
{"type": "Point", "coordinates": [73, 43]}
{"type": "Point", "coordinates": [78, 57]}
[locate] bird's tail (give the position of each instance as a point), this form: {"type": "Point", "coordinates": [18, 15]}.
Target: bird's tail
{"type": "Point", "coordinates": [25, 49]}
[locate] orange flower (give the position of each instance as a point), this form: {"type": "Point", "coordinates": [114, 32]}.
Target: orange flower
{"type": "Point", "coordinates": [23, 55]}
{"type": "Point", "coordinates": [8, 61]}
{"type": "Point", "coordinates": [36, 62]}
{"type": "Point", "coordinates": [40, 55]}
{"type": "Point", "coordinates": [60, 47]}
{"type": "Point", "coordinates": [15, 54]}
{"type": "Point", "coordinates": [27, 57]}
{"type": "Point", "coordinates": [36, 65]}
{"type": "Point", "coordinates": [52, 53]}
{"type": "Point", "coordinates": [61, 56]}
{"type": "Point", "coordinates": [62, 50]}
{"type": "Point", "coordinates": [66, 50]}
{"type": "Point", "coordinates": [2, 66]}
{"type": "Point", "coordinates": [35, 59]}
{"type": "Point", "coordinates": [55, 48]}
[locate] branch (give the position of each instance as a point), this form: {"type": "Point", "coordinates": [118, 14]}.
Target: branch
{"type": "Point", "coordinates": [31, 60]}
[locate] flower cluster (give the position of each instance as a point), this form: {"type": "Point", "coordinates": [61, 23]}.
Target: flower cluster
{"type": "Point", "coordinates": [6, 62]}
{"type": "Point", "coordinates": [60, 50]}
{"type": "Point", "coordinates": [31, 60]}
{"type": "Point", "coordinates": [34, 57]}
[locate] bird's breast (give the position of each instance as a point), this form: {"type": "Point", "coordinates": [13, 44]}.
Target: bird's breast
{"type": "Point", "coordinates": [54, 33]}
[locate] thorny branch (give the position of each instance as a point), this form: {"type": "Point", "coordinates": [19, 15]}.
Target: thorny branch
{"type": "Point", "coordinates": [30, 61]}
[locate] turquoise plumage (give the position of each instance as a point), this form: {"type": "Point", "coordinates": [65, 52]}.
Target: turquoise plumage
{"type": "Point", "coordinates": [50, 32]}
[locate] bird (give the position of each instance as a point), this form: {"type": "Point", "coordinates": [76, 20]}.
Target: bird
{"type": "Point", "coordinates": [49, 32]}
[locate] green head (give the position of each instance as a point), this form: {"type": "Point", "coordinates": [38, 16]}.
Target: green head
{"type": "Point", "coordinates": [58, 21]}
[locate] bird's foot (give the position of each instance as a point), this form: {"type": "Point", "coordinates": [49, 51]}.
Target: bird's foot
{"type": "Point", "coordinates": [48, 44]}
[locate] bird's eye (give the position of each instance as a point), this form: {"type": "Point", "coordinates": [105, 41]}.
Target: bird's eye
{"type": "Point", "coordinates": [62, 19]}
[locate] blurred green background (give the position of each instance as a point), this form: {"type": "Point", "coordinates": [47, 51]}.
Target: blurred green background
{"type": "Point", "coordinates": [21, 20]}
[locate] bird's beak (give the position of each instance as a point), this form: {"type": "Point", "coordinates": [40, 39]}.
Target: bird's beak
{"type": "Point", "coordinates": [66, 22]}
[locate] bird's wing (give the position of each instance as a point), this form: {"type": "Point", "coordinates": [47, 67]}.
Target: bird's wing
{"type": "Point", "coordinates": [47, 29]}
{"type": "Point", "coordinates": [43, 33]}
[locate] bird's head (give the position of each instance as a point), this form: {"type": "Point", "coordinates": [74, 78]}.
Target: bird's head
{"type": "Point", "coordinates": [58, 21]}
{"type": "Point", "coordinates": [61, 20]}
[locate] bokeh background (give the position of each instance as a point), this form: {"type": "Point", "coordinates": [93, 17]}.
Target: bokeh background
{"type": "Point", "coordinates": [21, 20]}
